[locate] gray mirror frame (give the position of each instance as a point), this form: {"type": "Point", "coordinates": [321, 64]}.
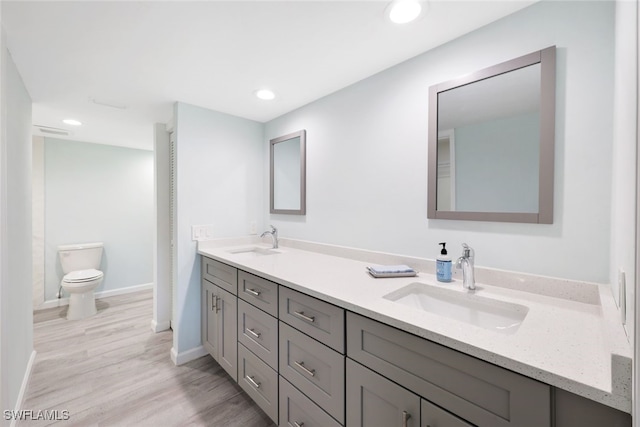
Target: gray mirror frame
{"type": "Point", "coordinates": [547, 59]}
{"type": "Point", "coordinates": [302, 134]}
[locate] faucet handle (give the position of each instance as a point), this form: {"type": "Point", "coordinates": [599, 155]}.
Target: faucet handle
{"type": "Point", "coordinates": [273, 229]}
{"type": "Point", "coordinates": [467, 251]}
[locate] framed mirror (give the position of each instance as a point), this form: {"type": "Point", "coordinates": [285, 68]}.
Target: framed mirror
{"type": "Point", "coordinates": [492, 142]}
{"type": "Point", "coordinates": [288, 173]}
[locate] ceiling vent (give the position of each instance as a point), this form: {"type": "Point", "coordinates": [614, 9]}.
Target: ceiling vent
{"type": "Point", "coordinates": [51, 131]}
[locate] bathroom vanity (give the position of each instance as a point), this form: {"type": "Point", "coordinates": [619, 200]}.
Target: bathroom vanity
{"type": "Point", "coordinates": [315, 341]}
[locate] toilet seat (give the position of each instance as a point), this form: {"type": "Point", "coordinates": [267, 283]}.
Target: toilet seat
{"type": "Point", "coordinates": [82, 276]}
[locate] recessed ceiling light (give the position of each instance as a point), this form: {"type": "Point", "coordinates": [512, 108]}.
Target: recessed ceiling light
{"type": "Point", "coordinates": [403, 11]}
{"type": "Point", "coordinates": [265, 94]}
{"type": "Point", "coordinates": [72, 122]}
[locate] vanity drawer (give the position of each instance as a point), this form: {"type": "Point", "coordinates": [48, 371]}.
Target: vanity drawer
{"type": "Point", "coordinates": [258, 332]}
{"type": "Point", "coordinates": [259, 381]}
{"type": "Point", "coordinates": [318, 319]}
{"type": "Point", "coordinates": [259, 292]}
{"type": "Point", "coordinates": [296, 409]}
{"type": "Point", "coordinates": [220, 274]}
{"type": "Point", "coordinates": [484, 394]}
{"type": "Point", "coordinates": [315, 369]}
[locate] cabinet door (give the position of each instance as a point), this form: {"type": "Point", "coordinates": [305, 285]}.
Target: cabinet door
{"type": "Point", "coordinates": [227, 318]}
{"type": "Point", "coordinates": [433, 416]}
{"type": "Point", "coordinates": [374, 401]}
{"type": "Point", "coordinates": [296, 409]}
{"type": "Point", "coordinates": [209, 328]}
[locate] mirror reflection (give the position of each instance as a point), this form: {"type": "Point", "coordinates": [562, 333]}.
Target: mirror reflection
{"type": "Point", "coordinates": [488, 152]}
{"type": "Point", "coordinates": [288, 173]}
{"type": "Point", "coordinates": [491, 143]}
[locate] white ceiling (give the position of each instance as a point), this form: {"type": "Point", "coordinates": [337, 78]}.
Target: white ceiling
{"type": "Point", "coordinates": [146, 55]}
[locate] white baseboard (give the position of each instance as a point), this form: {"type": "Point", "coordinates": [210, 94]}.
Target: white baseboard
{"type": "Point", "coordinates": [187, 356]}
{"type": "Point", "coordinates": [160, 326]}
{"type": "Point", "coordinates": [23, 387]}
{"type": "Point", "coordinates": [102, 294]}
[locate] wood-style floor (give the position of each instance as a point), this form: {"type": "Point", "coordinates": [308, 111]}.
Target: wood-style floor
{"type": "Point", "coordinates": [112, 370]}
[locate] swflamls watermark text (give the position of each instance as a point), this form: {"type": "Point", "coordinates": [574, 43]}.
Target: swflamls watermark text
{"type": "Point", "coordinates": [28, 414]}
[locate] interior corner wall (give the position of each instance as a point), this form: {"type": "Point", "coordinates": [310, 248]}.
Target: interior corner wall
{"type": "Point", "coordinates": [624, 145]}
{"type": "Point", "coordinates": [99, 193]}
{"type": "Point", "coordinates": [16, 318]}
{"type": "Point", "coordinates": [219, 173]}
{"type": "Point", "coordinates": [367, 151]}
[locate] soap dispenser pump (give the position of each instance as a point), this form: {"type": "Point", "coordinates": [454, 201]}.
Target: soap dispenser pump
{"type": "Point", "coordinates": [443, 265]}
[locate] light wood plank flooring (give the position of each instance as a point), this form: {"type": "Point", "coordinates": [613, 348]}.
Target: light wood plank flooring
{"type": "Point", "coordinates": [112, 370]}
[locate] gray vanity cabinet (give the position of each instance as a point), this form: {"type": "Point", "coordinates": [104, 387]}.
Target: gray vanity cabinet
{"type": "Point", "coordinates": [219, 322]}
{"type": "Point", "coordinates": [479, 392]}
{"type": "Point", "coordinates": [287, 350]}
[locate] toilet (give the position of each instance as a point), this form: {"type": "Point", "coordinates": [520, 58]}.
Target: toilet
{"type": "Point", "coordinates": [80, 263]}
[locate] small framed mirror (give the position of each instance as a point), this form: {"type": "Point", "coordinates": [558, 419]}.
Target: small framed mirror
{"type": "Point", "coordinates": [288, 173]}
{"type": "Point", "coordinates": [492, 142]}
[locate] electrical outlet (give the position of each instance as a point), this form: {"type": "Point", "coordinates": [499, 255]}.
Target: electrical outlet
{"type": "Point", "coordinates": [622, 295]}
{"type": "Point", "coordinates": [253, 227]}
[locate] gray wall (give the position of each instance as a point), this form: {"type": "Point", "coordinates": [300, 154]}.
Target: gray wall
{"type": "Point", "coordinates": [367, 150]}
{"type": "Point", "coordinates": [219, 177]}
{"type": "Point", "coordinates": [16, 321]}
{"type": "Point", "coordinates": [99, 193]}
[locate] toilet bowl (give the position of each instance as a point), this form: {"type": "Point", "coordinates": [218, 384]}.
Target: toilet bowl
{"type": "Point", "coordinates": [80, 263]}
{"type": "Point", "coordinates": [80, 286]}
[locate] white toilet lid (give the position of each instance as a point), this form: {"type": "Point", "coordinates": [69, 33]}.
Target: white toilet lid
{"type": "Point", "coordinates": [79, 276]}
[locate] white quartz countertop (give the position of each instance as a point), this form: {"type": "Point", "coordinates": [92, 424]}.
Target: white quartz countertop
{"type": "Point", "coordinates": [576, 346]}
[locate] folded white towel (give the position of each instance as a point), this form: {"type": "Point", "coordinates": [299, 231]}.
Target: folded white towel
{"type": "Point", "coordinates": [389, 269]}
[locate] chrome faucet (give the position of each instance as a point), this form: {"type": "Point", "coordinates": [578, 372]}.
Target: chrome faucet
{"type": "Point", "coordinates": [465, 262]}
{"type": "Point", "coordinates": [274, 236]}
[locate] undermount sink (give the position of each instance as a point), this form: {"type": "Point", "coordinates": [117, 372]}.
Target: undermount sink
{"type": "Point", "coordinates": [476, 310]}
{"type": "Point", "coordinates": [254, 251]}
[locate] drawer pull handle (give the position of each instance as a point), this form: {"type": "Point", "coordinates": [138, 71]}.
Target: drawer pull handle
{"type": "Point", "coordinates": [253, 292]}
{"type": "Point", "coordinates": [303, 316]}
{"type": "Point", "coordinates": [298, 425]}
{"type": "Point", "coordinates": [252, 381]}
{"type": "Point", "coordinates": [405, 418]}
{"type": "Point", "coordinates": [213, 302]}
{"type": "Point", "coordinates": [217, 304]}
{"type": "Point", "coordinates": [310, 372]}
{"type": "Point", "coordinates": [254, 333]}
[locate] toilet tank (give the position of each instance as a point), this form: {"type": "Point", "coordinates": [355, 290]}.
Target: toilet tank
{"type": "Point", "coordinates": [81, 256]}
